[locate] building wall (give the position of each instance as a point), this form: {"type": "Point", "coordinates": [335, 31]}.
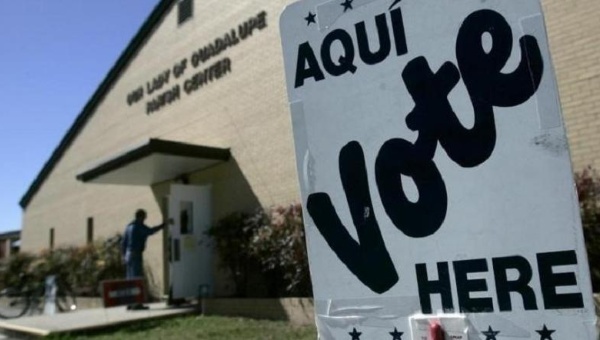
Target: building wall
{"type": "Point", "coordinates": [246, 111]}
{"type": "Point", "coordinates": [574, 30]}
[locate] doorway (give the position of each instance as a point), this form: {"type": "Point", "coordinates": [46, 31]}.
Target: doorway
{"type": "Point", "coordinates": [189, 250]}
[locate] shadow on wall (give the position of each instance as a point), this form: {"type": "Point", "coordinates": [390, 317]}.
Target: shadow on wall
{"type": "Point", "coordinates": [231, 192]}
{"type": "Point", "coordinates": [230, 189]}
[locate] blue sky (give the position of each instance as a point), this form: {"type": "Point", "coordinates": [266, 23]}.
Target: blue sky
{"type": "Point", "coordinates": [53, 55]}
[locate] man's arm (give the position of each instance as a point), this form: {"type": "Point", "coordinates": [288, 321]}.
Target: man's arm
{"type": "Point", "coordinates": [160, 226]}
{"type": "Point", "coordinates": [157, 228]}
{"type": "Point", "coordinates": [153, 230]}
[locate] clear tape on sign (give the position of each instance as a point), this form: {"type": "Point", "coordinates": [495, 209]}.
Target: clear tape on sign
{"type": "Point", "coordinates": [334, 315]}
{"type": "Point", "coordinates": [368, 312]}
{"type": "Point", "coordinates": [548, 105]}
{"type": "Point", "coordinates": [301, 145]}
{"type": "Point", "coordinates": [510, 330]}
{"type": "Point", "coordinates": [329, 12]}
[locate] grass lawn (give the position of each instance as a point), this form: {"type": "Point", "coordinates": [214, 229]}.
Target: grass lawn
{"type": "Point", "coordinates": [204, 327]}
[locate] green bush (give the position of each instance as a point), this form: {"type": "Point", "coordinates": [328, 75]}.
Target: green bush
{"type": "Point", "coordinates": [271, 240]}
{"type": "Point", "coordinates": [588, 190]}
{"type": "Point", "coordinates": [13, 267]}
{"type": "Point", "coordinates": [82, 268]}
{"type": "Point", "coordinates": [231, 235]}
{"type": "Point", "coordinates": [279, 245]}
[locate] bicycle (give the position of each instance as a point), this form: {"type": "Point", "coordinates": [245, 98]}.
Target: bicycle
{"type": "Point", "coordinates": [16, 301]}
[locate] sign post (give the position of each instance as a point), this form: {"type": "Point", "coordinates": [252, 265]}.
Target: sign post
{"type": "Point", "coordinates": [50, 295]}
{"type": "Point", "coordinates": [434, 171]}
{"type": "Point", "coordinates": [123, 292]}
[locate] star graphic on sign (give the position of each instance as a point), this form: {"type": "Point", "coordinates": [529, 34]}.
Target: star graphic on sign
{"type": "Point", "coordinates": [490, 334]}
{"type": "Point", "coordinates": [545, 333]}
{"type": "Point", "coordinates": [310, 18]}
{"type": "Point", "coordinates": [396, 335]}
{"type": "Point", "coordinates": [395, 3]}
{"type": "Point", "coordinates": [355, 334]}
{"type": "Point", "coordinates": [347, 5]}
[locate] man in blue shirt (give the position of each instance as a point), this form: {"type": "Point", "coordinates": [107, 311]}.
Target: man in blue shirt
{"type": "Point", "coordinates": [133, 246]}
{"type": "Point", "coordinates": [134, 243]}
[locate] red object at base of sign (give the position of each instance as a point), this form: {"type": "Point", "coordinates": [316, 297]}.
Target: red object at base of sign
{"type": "Point", "coordinates": [435, 331]}
{"type": "Point", "coordinates": [123, 292]}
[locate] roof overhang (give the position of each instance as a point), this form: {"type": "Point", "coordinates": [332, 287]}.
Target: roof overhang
{"type": "Point", "coordinates": [10, 234]}
{"type": "Point", "coordinates": [153, 162]}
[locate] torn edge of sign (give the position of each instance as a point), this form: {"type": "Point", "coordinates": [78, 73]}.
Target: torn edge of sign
{"type": "Point", "coordinates": [329, 12]}
{"type": "Point", "coordinates": [377, 312]}
{"type": "Point", "coordinates": [547, 99]}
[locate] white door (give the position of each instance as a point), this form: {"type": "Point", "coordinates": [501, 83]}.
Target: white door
{"type": "Point", "coordinates": [190, 253]}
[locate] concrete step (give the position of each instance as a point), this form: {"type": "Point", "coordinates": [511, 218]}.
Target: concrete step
{"type": "Point", "coordinates": [88, 319]}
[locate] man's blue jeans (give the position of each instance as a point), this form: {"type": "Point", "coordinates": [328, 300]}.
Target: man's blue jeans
{"type": "Point", "coordinates": [134, 265]}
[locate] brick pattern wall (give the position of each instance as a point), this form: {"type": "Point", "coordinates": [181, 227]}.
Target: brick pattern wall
{"type": "Point", "coordinates": [245, 111]}
{"type": "Point", "coordinates": [574, 34]}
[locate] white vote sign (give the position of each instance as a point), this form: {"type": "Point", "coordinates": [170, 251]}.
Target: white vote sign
{"type": "Point", "coordinates": [434, 171]}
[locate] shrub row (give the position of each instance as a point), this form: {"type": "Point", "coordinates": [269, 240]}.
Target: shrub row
{"type": "Point", "coordinates": [269, 242]}
{"type": "Point", "coordinates": [83, 268]}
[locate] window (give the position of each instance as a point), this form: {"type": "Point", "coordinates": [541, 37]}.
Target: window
{"type": "Point", "coordinates": [90, 230]}
{"type": "Point", "coordinates": [3, 248]}
{"type": "Point", "coordinates": [185, 10]}
{"type": "Point", "coordinates": [186, 217]}
{"type": "Point", "coordinates": [51, 243]}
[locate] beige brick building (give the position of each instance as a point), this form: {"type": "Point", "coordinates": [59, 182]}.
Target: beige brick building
{"type": "Point", "coordinates": [179, 107]}
{"type": "Point", "coordinates": [574, 32]}
{"type": "Point", "coordinates": [228, 107]}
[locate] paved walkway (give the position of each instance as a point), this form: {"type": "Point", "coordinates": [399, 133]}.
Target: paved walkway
{"type": "Point", "coordinates": [88, 319]}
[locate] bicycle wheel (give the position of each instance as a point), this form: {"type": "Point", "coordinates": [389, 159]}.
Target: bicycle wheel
{"type": "Point", "coordinates": [65, 300]}
{"type": "Point", "coordinates": [13, 303]}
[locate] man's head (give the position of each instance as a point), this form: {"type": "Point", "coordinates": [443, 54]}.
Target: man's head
{"type": "Point", "coordinates": [140, 215]}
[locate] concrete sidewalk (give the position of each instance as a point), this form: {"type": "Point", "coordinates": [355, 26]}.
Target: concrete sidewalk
{"type": "Point", "coordinates": [89, 319]}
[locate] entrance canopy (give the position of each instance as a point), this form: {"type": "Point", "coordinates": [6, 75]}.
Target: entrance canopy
{"type": "Point", "coordinates": [153, 162]}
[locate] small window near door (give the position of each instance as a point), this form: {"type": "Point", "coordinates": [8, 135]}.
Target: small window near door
{"type": "Point", "coordinates": [185, 11]}
{"type": "Point", "coordinates": [90, 230]}
{"type": "Point", "coordinates": [186, 217]}
{"type": "Point", "coordinates": [51, 239]}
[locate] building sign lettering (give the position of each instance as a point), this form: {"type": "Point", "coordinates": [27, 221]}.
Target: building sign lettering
{"type": "Point", "coordinates": [157, 89]}
{"type": "Point", "coordinates": [481, 72]}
